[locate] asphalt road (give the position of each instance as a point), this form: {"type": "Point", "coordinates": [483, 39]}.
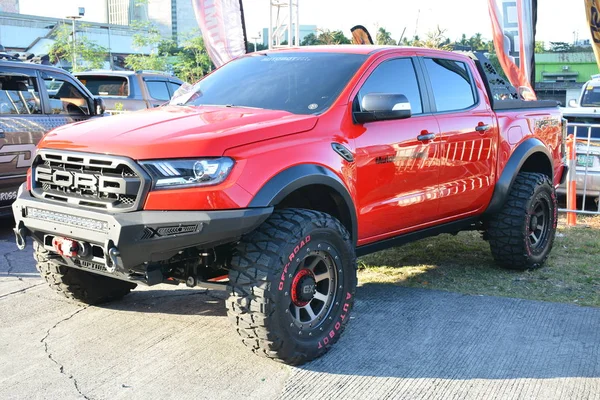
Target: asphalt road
{"type": "Point", "coordinates": [174, 342]}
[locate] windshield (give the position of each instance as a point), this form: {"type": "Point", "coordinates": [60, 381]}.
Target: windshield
{"type": "Point", "coordinates": [591, 97]}
{"type": "Point", "coordinates": [301, 83]}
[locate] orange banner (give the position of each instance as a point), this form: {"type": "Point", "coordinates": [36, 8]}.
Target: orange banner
{"type": "Point", "coordinates": [592, 8]}
{"type": "Point", "coordinates": [513, 25]}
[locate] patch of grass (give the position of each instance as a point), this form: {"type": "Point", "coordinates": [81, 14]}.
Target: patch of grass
{"type": "Point", "coordinates": [464, 264]}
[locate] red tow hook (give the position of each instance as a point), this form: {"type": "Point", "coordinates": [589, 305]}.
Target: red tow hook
{"type": "Point", "coordinates": [65, 247]}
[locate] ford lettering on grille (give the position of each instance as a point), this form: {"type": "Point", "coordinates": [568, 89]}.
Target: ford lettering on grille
{"type": "Point", "coordinates": [114, 184]}
{"type": "Point", "coordinates": [77, 180]}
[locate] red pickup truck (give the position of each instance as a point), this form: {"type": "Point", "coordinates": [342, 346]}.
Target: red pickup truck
{"type": "Point", "coordinates": [279, 169]}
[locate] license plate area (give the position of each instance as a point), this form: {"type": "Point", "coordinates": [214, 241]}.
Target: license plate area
{"type": "Point", "coordinates": [585, 160]}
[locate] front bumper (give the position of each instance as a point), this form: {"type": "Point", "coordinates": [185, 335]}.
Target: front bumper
{"type": "Point", "coordinates": [137, 238]}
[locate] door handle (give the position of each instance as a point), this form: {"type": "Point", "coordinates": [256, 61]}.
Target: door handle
{"type": "Point", "coordinates": [426, 136]}
{"type": "Point", "coordinates": [482, 128]}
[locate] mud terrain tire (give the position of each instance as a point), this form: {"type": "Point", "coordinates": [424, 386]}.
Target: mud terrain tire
{"type": "Point", "coordinates": [292, 285]}
{"type": "Point", "coordinates": [75, 284]}
{"type": "Point", "coordinates": [521, 234]}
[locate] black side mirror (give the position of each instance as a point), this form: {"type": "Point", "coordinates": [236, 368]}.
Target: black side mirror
{"type": "Point", "coordinates": [382, 107]}
{"type": "Point", "coordinates": [99, 105]}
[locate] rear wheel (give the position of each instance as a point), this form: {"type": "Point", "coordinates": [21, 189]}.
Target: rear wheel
{"type": "Point", "coordinates": [76, 284]}
{"type": "Point", "coordinates": [292, 284]}
{"type": "Point", "coordinates": [522, 233]}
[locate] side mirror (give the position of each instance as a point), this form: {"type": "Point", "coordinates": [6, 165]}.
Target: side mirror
{"type": "Point", "coordinates": [382, 107]}
{"type": "Point", "coordinates": [573, 103]}
{"type": "Point", "coordinates": [99, 105]}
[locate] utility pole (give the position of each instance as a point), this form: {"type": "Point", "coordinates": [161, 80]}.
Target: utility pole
{"type": "Point", "coordinates": [80, 14]}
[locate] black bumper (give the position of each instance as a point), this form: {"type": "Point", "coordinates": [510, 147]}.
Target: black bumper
{"type": "Point", "coordinates": [139, 237]}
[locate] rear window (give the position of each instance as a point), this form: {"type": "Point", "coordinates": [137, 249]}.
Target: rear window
{"type": "Point", "coordinates": [117, 86]}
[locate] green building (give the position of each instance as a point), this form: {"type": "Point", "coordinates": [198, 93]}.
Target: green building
{"type": "Point", "coordinates": [560, 76]}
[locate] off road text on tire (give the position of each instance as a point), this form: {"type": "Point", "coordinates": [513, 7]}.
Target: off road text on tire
{"type": "Point", "coordinates": [292, 285]}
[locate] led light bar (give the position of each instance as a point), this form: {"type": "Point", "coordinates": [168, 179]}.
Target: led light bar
{"type": "Point", "coordinates": [66, 219]}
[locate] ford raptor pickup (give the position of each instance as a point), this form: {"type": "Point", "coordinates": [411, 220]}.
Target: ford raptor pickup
{"type": "Point", "coordinates": [277, 170]}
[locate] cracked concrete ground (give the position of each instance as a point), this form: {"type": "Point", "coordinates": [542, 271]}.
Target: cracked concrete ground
{"type": "Point", "coordinates": [173, 342]}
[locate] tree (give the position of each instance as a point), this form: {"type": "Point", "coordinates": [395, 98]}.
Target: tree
{"type": "Point", "coordinates": [325, 37]}
{"type": "Point", "coordinates": [148, 35]}
{"type": "Point", "coordinates": [192, 61]}
{"type": "Point", "coordinates": [310, 40]}
{"type": "Point", "coordinates": [340, 38]}
{"type": "Point", "coordinates": [88, 54]}
{"type": "Point", "coordinates": [476, 42]}
{"type": "Point", "coordinates": [384, 37]}
{"type": "Point", "coordinates": [436, 40]}
{"type": "Point", "coordinates": [560, 47]}
{"type": "Point", "coordinates": [540, 47]}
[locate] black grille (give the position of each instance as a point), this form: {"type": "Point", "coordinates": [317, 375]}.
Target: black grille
{"type": "Point", "coordinates": [100, 182]}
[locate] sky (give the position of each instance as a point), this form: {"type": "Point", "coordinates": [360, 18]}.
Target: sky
{"type": "Point", "coordinates": [558, 20]}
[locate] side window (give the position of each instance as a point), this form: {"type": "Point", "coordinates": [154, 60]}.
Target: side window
{"type": "Point", "coordinates": [451, 84]}
{"type": "Point", "coordinates": [397, 77]}
{"type": "Point", "coordinates": [66, 98]}
{"type": "Point", "coordinates": [19, 94]}
{"type": "Point", "coordinates": [158, 90]}
{"type": "Point", "coordinates": [173, 86]}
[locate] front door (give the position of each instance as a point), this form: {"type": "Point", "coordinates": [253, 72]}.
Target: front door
{"type": "Point", "coordinates": [397, 174]}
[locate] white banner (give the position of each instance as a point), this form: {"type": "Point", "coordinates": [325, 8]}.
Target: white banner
{"type": "Point", "coordinates": [222, 25]}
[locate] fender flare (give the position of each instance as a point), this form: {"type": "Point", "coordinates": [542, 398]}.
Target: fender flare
{"type": "Point", "coordinates": [296, 177]}
{"type": "Point", "coordinates": [512, 169]}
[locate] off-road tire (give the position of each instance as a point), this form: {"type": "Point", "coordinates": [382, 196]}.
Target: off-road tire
{"type": "Point", "coordinates": [269, 285]}
{"type": "Point", "coordinates": [75, 284]}
{"type": "Point", "coordinates": [514, 241]}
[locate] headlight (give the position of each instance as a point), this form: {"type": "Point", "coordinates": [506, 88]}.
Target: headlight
{"type": "Point", "coordinates": [186, 173]}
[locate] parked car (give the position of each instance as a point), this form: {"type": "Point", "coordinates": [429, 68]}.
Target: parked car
{"type": "Point", "coordinates": [34, 99]}
{"type": "Point", "coordinates": [582, 115]}
{"type": "Point", "coordinates": [279, 170]}
{"type": "Point", "coordinates": [130, 90]}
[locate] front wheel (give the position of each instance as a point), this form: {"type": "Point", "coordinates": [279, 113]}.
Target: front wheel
{"type": "Point", "coordinates": [292, 285]}
{"type": "Point", "coordinates": [521, 234]}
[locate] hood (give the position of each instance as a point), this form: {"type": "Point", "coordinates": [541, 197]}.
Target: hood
{"type": "Point", "coordinates": [176, 131]}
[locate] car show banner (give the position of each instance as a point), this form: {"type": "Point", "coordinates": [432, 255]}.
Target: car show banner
{"type": "Point", "coordinates": [593, 19]}
{"type": "Point", "coordinates": [513, 24]}
{"type": "Point", "coordinates": [223, 28]}
{"type": "Point", "coordinates": [360, 35]}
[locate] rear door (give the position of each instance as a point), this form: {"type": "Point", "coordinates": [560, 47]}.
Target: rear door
{"type": "Point", "coordinates": [22, 125]}
{"type": "Point", "coordinates": [469, 136]}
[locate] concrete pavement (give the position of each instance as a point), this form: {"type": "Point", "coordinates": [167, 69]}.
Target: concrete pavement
{"type": "Point", "coordinates": [174, 342]}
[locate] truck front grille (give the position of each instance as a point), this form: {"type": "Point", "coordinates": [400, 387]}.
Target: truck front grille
{"type": "Point", "coordinates": [105, 183]}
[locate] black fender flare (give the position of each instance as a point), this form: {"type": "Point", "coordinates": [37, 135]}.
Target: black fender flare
{"type": "Point", "coordinates": [296, 177]}
{"type": "Point", "coordinates": [512, 169]}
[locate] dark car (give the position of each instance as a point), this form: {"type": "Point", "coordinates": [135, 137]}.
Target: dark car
{"type": "Point", "coordinates": [33, 100]}
{"type": "Point", "coordinates": [130, 90]}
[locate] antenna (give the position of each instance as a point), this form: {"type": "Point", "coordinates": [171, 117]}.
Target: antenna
{"type": "Point", "coordinates": [417, 22]}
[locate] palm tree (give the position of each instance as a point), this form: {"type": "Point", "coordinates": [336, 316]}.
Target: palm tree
{"type": "Point", "coordinates": [385, 38]}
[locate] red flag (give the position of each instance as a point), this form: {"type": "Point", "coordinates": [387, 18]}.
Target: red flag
{"type": "Point", "coordinates": [513, 23]}
{"type": "Point", "coordinates": [222, 25]}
